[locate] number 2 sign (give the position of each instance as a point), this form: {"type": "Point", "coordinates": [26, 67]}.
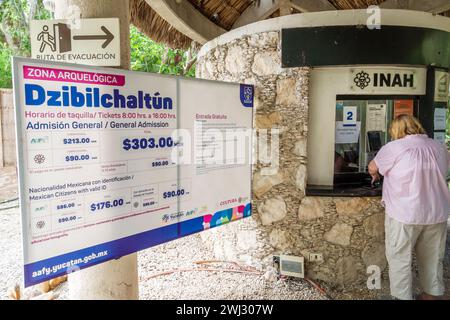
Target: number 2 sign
{"type": "Point", "coordinates": [350, 115]}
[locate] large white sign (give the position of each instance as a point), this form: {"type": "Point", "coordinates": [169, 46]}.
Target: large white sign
{"type": "Point", "coordinates": [104, 172]}
{"type": "Point", "coordinates": [347, 134]}
{"type": "Point", "coordinates": [369, 80]}
{"type": "Point", "coordinates": [441, 86]}
{"type": "Point", "coordinates": [376, 117]}
{"type": "Point", "coordinates": [93, 42]}
{"type": "Point", "coordinates": [440, 137]}
{"type": "Point", "coordinates": [440, 119]}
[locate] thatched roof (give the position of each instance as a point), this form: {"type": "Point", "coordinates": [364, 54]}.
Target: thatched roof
{"type": "Point", "coordinates": [229, 11]}
{"type": "Point", "coordinates": [354, 4]}
{"type": "Point", "coordinates": [222, 13]}
{"type": "Point", "coordinates": [150, 23]}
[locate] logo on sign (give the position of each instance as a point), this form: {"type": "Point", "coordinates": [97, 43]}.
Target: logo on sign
{"type": "Point", "coordinates": [39, 140]}
{"type": "Point", "coordinates": [227, 202]}
{"type": "Point", "coordinates": [362, 80]}
{"type": "Point", "coordinates": [174, 216]}
{"type": "Point", "coordinates": [384, 80]}
{"type": "Point", "coordinates": [39, 158]}
{"type": "Point", "coordinates": [39, 209]}
{"type": "Point", "coordinates": [242, 199]}
{"type": "Point", "coordinates": [247, 93]}
{"type": "Point", "coordinates": [40, 224]}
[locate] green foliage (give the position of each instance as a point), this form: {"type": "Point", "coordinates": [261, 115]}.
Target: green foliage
{"type": "Point", "coordinates": [14, 19]}
{"type": "Point", "coordinates": [15, 33]}
{"type": "Point", "coordinates": [146, 55]}
{"type": "Point", "coordinates": [149, 56]}
{"type": "Point", "coordinates": [5, 66]}
{"type": "Point", "coordinates": [14, 25]}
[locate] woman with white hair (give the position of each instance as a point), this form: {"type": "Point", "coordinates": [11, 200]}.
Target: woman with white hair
{"type": "Point", "coordinates": [417, 202]}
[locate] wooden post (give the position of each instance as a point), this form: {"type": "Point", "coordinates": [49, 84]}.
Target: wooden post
{"type": "Point", "coordinates": [285, 7]}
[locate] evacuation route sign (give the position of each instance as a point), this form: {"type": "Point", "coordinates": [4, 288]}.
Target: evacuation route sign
{"type": "Point", "coordinates": [93, 42]}
{"type": "Point", "coordinates": [104, 170]}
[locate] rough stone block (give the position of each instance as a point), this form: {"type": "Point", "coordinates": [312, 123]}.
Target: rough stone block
{"type": "Point", "coordinates": [234, 61]}
{"type": "Point", "coordinates": [264, 40]}
{"type": "Point", "coordinates": [339, 234]}
{"type": "Point", "coordinates": [374, 226]}
{"type": "Point", "coordinates": [351, 206]}
{"type": "Point", "coordinates": [272, 210]}
{"type": "Point", "coordinates": [300, 177]}
{"type": "Point", "coordinates": [208, 69]}
{"type": "Point", "coordinates": [263, 183]}
{"type": "Point", "coordinates": [279, 240]}
{"type": "Point", "coordinates": [311, 208]}
{"type": "Point", "coordinates": [300, 147]}
{"type": "Point", "coordinates": [267, 121]}
{"type": "Point", "coordinates": [266, 63]}
{"type": "Point", "coordinates": [286, 92]}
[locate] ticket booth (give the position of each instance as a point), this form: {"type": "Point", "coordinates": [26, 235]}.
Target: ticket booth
{"type": "Point", "coordinates": [331, 93]}
{"type": "Point", "coordinates": [357, 91]}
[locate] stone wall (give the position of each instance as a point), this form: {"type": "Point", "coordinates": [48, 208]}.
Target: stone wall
{"type": "Point", "coordinates": [348, 232]}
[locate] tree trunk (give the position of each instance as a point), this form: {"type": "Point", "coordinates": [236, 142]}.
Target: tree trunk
{"type": "Point", "coordinates": [79, 9]}
{"type": "Point", "coordinates": [33, 4]}
{"type": "Point", "coordinates": [117, 279]}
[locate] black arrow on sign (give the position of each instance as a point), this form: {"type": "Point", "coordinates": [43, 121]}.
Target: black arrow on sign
{"type": "Point", "coordinates": [108, 37]}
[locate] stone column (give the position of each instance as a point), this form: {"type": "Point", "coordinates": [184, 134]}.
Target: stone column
{"type": "Point", "coordinates": [117, 279]}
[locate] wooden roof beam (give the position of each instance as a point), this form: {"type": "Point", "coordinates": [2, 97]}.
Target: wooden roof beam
{"type": "Point", "coordinates": [285, 7]}
{"type": "Point", "coordinates": [433, 6]}
{"type": "Point", "coordinates": [312, 5]}
{"type": "Point", "coordinates": [259, 11]}
{"type": "Point", "coordinates": [266, 8]}
{"type": "Point", "coordinates": [184, 17]}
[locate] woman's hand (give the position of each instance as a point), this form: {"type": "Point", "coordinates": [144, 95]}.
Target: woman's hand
{"type": "Point", "coordinates": [375, 178]}
{"type": "Point", "coordinates": [373, 171]}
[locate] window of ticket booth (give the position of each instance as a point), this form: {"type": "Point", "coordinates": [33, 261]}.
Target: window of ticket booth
{"type": "Point", "coordinates": [361, 129]}
{"type": "Point", "coordinates": [349, 123]}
